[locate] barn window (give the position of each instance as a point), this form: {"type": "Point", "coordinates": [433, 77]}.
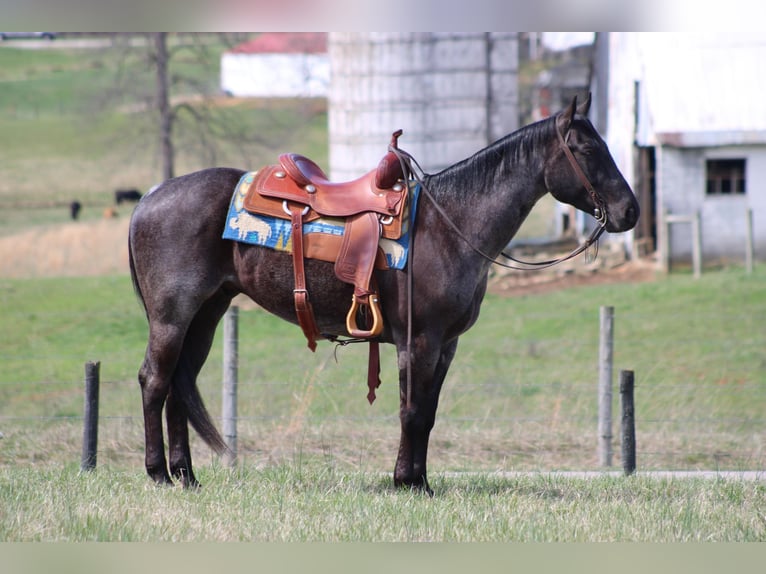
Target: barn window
{"type": "Point", "coordinates": [725, 176]}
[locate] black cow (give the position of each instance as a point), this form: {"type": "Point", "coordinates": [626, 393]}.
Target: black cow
{"type": "Point", "coordinates": [126, 195]}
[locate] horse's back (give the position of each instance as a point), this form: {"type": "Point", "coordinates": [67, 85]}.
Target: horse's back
{"type": "Point", "coordinates": [175, 231]}
{"type": "Point", "coordinates": [208, 189]}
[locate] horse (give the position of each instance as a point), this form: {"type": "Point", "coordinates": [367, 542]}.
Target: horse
{"type": "Point", "coordinates": [186, 275]}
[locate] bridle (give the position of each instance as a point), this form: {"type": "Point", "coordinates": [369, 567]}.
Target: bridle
{"type": "Point", "coordinates": [407, 162]}
{"type": "Point", "coordinates": [599, 211]}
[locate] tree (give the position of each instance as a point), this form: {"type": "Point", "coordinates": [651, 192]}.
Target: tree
{"type": "Point", "coordinates": [171, 84]}
{"type": "Point", "coordinates": [163, 105]}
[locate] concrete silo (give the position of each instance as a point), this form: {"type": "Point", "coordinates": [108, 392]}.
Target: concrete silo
{"type": "Point", "coordinates": [451, 93]}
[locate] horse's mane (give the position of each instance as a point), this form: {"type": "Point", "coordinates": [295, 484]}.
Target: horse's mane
{"type": "Point", "coordinates": [511, 151]}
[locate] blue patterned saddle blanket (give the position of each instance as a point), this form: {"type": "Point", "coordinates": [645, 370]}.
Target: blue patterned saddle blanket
{"type": "Point", "coordinates": [275, 233]}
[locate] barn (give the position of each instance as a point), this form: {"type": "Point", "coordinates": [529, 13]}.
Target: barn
{"type": "Point", "coordinates": [278, 65]}
{"type": "Point", "coordinates": [685, 120]}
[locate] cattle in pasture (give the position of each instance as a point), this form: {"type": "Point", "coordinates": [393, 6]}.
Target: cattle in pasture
{"type": "Point", "coordinates": [121, 195]}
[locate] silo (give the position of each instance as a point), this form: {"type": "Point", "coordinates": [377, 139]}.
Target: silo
{"type": "Point", "coordinates": [451, 93]}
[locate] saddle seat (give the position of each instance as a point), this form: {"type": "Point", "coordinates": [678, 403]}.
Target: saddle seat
{"type": "Point", "coordinates": [378, 190]}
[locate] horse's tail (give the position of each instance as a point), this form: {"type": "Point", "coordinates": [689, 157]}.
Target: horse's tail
{"type": "Point", "coordinates": [185, 387]}
{"type": "Point", "coordinates": [133, 276]}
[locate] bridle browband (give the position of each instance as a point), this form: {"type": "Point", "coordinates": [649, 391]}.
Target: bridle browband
{"type": "Point", "coordinates": [599, 211]}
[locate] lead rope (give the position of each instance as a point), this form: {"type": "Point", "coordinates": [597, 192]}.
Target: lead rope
{"type": "Point", "coordinates": [408, 174]}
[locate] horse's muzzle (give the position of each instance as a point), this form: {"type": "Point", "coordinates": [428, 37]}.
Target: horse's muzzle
{"type": "Point", "coordinates": [623, 217]}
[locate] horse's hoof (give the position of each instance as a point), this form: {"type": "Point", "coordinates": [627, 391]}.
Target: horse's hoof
{"type": "Point", "coordinates": [420, 485]}
{"type": "Point", "coordinates": [191, 484]}
{"type": "Point", "coordinates": [159, 475]}
{"type": "Point", "coordinates": [187, 479]}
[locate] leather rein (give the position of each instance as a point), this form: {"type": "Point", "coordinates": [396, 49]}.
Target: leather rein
{"type": "Point", "coordinates": [407, 161]}
{"type": "Point", "coordinates": [599, 211]}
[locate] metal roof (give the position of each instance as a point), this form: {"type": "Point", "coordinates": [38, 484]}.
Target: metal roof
{"type": "Point", "coordinates": [284, 43]}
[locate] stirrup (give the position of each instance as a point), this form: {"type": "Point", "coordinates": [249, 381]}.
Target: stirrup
{"type": "Point", "coordinates": [377, 319]}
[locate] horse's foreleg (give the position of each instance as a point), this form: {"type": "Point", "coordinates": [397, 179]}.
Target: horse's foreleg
{"type": "Point", "coordinates": [429, 368]}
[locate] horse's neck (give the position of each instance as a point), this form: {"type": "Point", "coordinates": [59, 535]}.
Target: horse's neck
{"type": "Point", "coordinates": [489, 195]}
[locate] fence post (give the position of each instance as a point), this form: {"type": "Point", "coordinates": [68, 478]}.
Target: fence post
{"type": "Point", "coordinates": [605, 348]}
{"type": "Point", "coordinates": [230, 377]}
{"type": "Point", "coordinates": [696, 245]}
{"type": "Point", "coordinates": [664, 240]}
{"type": "Point", "coordinates": [628, 423]}
{"type": "Point", "coordinates": [749, 240]}
{"type": "Point", "coordinates": [90, 424]}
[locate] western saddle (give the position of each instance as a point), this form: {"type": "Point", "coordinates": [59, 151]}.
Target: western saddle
{"type": "Point", "coordinates": [372, 206]}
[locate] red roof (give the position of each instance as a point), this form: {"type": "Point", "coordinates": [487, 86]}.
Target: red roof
{"type": "Point", "coordinates": [284, 43]}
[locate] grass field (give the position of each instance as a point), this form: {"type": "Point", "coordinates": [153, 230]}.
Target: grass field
{"type": "Point", "coordinates": [75, 126]}
{"type": "Point", "coordinates": [315, 459]}
{"type": "Point", "coordinates": [294, 504]}
{"type": "Point", "coordinates": [521, 393]}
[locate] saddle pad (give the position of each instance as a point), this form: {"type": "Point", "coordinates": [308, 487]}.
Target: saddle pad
{"type": "Point", "coordinates": [276, 233]}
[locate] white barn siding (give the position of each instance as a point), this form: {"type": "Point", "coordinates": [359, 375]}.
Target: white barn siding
{"type": "Point", "coordinates": [722, 216]}
{"type": "Point", "coordinates": [700, 96]}
{"type": "Point", "coordinates": [275, 75]}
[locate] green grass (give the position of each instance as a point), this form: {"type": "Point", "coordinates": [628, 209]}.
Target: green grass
{"type": "Point", "coordinates": [295, 504]}
{"type": "Point", "coordinates": [521, 393]}
{"type": "Point", "coordinates": [74, 126]}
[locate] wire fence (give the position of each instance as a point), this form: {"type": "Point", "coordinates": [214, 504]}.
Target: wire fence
{"type": "Point", "coordinates": [529, 403]}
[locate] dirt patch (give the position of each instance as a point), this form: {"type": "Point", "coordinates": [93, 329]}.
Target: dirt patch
{"type": "Point", "coordinates": [101, 248]}
{"type": "Point", "coordinates": [609, 267]}
{"type": "Point", "coordinates": [537, 282]}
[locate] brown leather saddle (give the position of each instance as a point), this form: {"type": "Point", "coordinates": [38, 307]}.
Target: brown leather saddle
{"type": "Point", "coordinates": [372, 206]}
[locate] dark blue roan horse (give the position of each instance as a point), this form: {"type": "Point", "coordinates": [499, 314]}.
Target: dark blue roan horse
{"type": "Point", "coordinates": [186, 275]}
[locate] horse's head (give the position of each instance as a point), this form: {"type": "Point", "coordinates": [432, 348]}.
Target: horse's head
{"type": "Point", "coordinates": [581, 172]}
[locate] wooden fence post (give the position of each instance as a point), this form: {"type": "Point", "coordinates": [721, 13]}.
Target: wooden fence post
{"type": "Point", "coordinates": [664, 240]}
{"type": "Point", "coordinates": [696, 245]}
{"type": "Point", "coordinates": [90, 419]}
{"type": "Point", "coordinates": [749, 241]}
{"type": "Point", "coordinates": [696, 230]}
{"type": "Point", "coordinates": [230, 379]}
{"type": "Point", "coordinates": [605, 352]}
{"type": "Point", "coordinates": [628, 438]}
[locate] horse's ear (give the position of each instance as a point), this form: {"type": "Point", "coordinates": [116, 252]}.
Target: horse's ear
{"type": "Point", "coordinates": [564, 119]}
{"type": "Point", "coordinates": [584, 108]}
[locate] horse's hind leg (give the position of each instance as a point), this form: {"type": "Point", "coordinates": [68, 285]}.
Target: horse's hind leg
{"type": "Point", "coordinates": [178, 441]}
{"type": "Point", "coordinates": [197, 343]}
{"type": "Point", "coordinates": [165, 342]}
